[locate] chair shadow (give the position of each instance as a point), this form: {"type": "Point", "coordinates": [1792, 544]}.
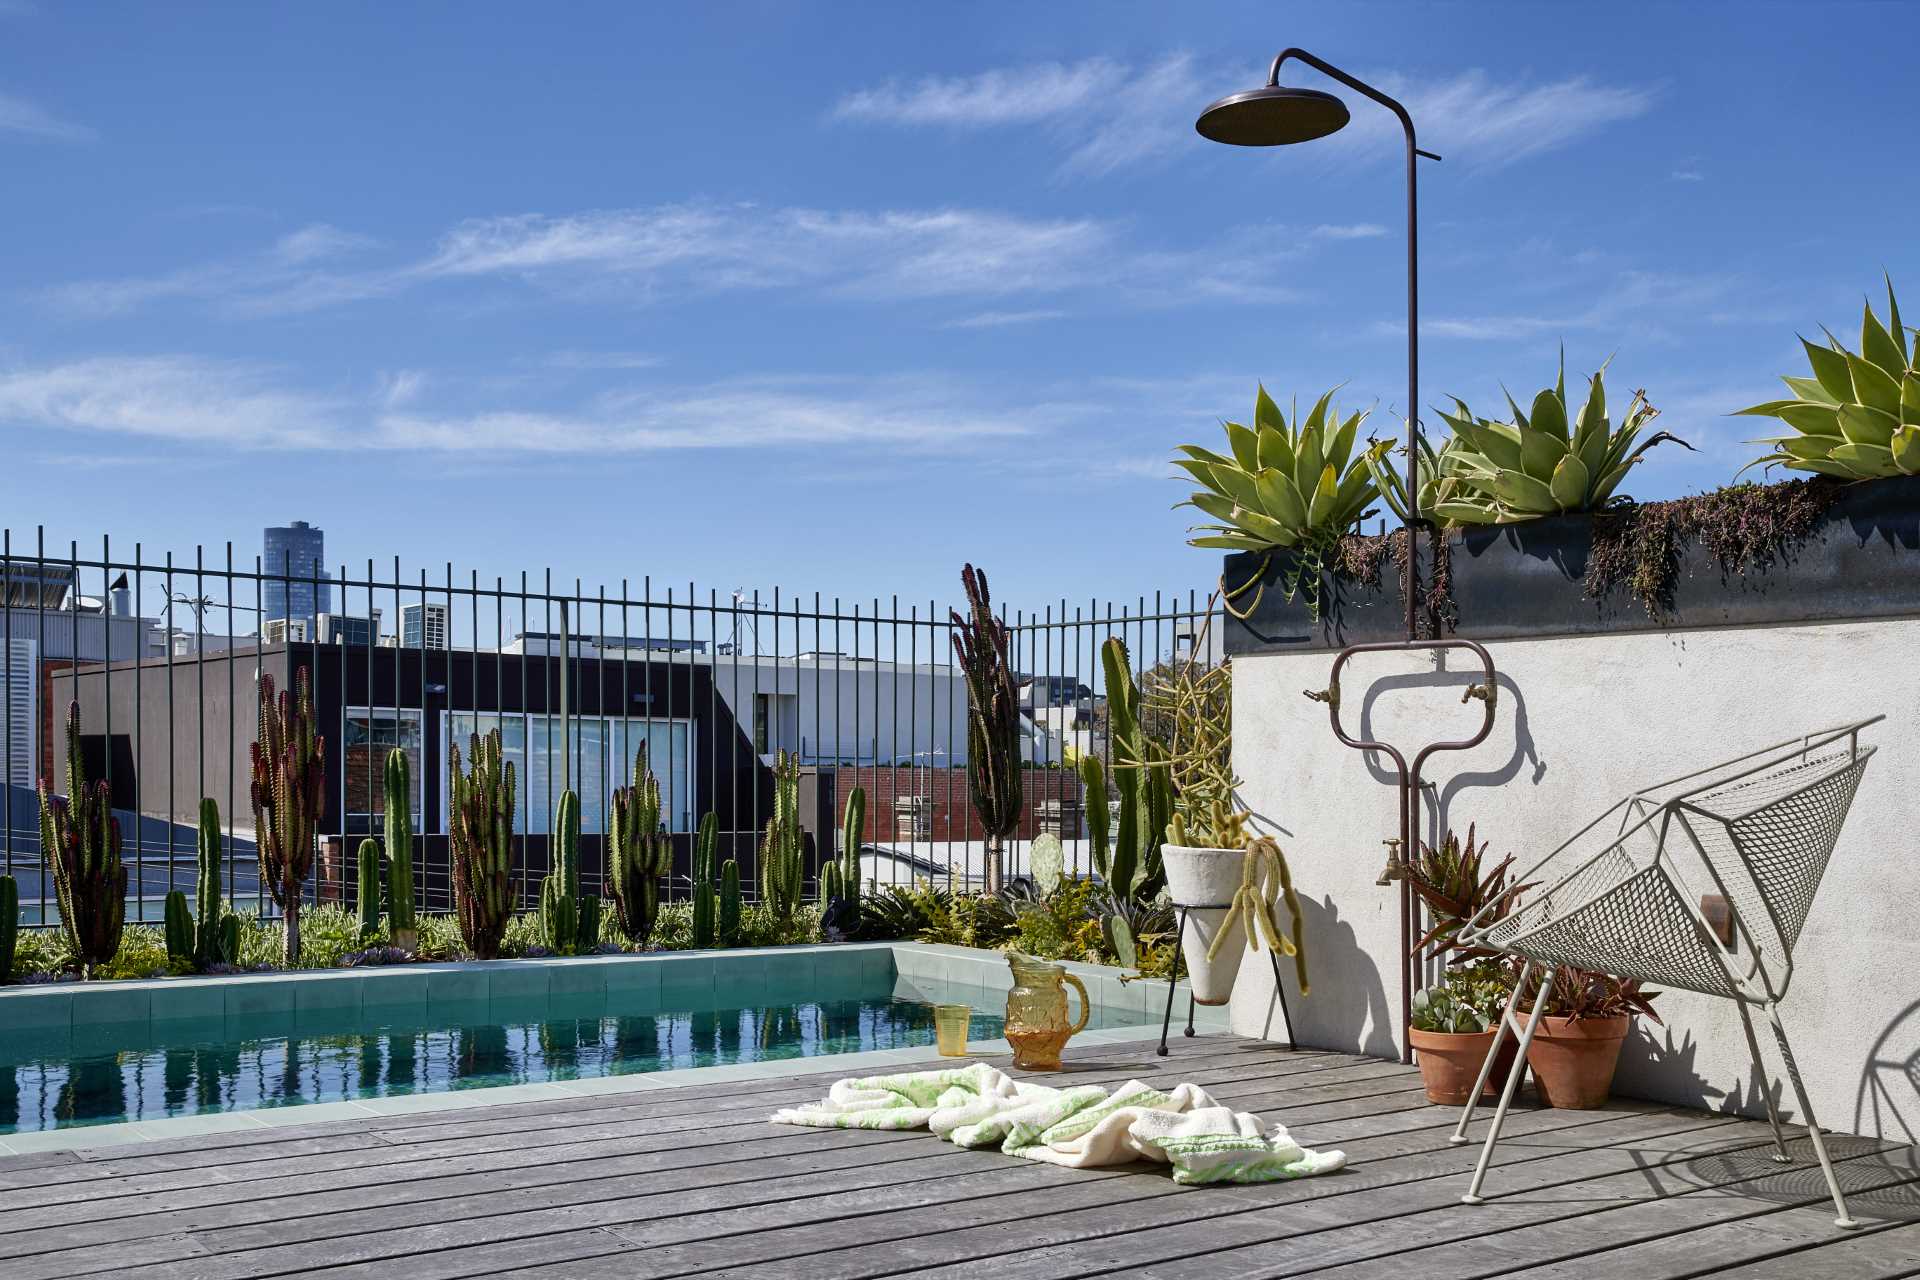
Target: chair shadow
{"type": "Point", "coordinates": [1887, 1101]}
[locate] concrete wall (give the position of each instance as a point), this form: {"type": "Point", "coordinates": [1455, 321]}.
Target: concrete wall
{"type": "Point", "coordinates": [1581, 722]}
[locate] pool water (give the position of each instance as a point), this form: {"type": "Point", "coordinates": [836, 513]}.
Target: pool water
{"type": "Point", "coordinates": [112, 1073]}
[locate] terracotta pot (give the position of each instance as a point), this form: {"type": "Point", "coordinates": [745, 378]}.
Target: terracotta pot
{"type": "Point", "coordinates": [1201, 876]}
{"type": "Point", "coordinates": [1449, 1062]}
{"type": "Point", "coordinates": [1573, 1062]}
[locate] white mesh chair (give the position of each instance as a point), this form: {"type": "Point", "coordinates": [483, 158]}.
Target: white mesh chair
{"type": "Point", "coordinates": [1624, 897]}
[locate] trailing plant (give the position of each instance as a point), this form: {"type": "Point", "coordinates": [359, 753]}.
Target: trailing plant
{"type": "Point", "coordinates": [216, 934]}
{"type": "Point", "coordinates": [9, 925]}
{"type": "Point", "coordinates": [782, 848]}
{"type": "Point", "coordinates": [1360, 557]}
{"type": "Point", "coordinates": [289, 795]}
{"type": "Point", "coordinates": [1468, 999]}
{"type": "Point", "coordinates": [1746, 528]}
{"type": "Point", "coordinates": [840, 878]}
{"type": "Point", "coordinates": [993, 720]}
{"type": "Point", "coordinates": [1265, 878]}
{"type": "Point", "coordinates": [706, 898]}
{"type": "Point", "coordinates": [639, 851]}
{"type": "Point", "coordinates": [1546, 462]}
{"type": "Point", "coordinates": [367, 889]}
{"type": "Point", "coordinates": [1456, 886]}
{"type": "Point", "coordinates": [80, 841]}
{"type": "Point", "coordinates": [1858, 416]}
{"type": "Point", "coordinates": [560, 914]}
{"type": "Point", "coordinates": [1194, 704]}
{"type": "Point", "coordinates": [480, 842]}
{"type": "Point", "coordinates": [399, 814]}
{"type": "Point", "coordinates": [731, 910]}
{"type": "Point", "coordinates": [1283, 486]}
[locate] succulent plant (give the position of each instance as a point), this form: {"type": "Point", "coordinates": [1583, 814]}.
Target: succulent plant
{"type": "Point", "coordinates": [289, 795]}
{"type": "Point", "coordinates": [401, 923]}
{"type": "Point", "coordinates": [639, 852]}
{"type": "Point", "coordinates": [840, 878]}
{"type": "Point", "coordinates": [80, 840]}
{"type": "Point", "coordinates": [480, 841]}
{"type": "Point", "coordinates": [1144, 780]}
{"type": "Point", "coordinates": [1283, 484]}
{"type": "Point", "coordinates": [782, 864]}
{"type": "Point", "coordinates": [706, 899]}
{"type": "Point", "coordinates": [1858, 417]}
{"type": "Point", "coordinates": [560, 891]}
{"type": "Point", "coordinates": [367, 885]}
{"type": "Point", "coordinates": [1541, 463]}
{"type": "Point", "coordinates": [1047, 860]}
{"type": "Point", "coordinates": [994, 782]}
{"type": "Point", "coordinates": [210, 940]}
{"type": "Point", "coordinates": [1466, 1000]}
{"type": "Point", "coordinates": [728, 925]}
{"type": "Point", "coordinates": [178, 928]}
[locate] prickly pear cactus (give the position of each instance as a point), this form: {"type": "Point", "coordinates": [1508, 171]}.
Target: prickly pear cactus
{"type": "Point", "coordinates": [1047, 859]}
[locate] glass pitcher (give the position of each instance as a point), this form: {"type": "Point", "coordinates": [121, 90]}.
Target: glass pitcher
{"type": "Point", "coordinates": [1037, 1025]}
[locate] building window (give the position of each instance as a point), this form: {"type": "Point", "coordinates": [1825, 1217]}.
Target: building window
{"type": "Point", "coordinates": [369, 736]}
{"type": "Point", "coordinates": [762, 722]}
{"type": "Point", "coordinates": [602, 755]}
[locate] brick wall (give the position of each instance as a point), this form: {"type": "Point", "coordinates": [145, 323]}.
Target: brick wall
{"type": "Point", "coordinates": [953, 817]}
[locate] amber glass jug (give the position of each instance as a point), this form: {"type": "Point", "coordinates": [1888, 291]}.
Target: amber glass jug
{"type": "Point", "coordinates": [1037, 1025]}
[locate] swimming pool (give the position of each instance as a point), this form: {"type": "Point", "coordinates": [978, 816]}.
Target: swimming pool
{"type": "Point", "coordinates": [95, 1072]}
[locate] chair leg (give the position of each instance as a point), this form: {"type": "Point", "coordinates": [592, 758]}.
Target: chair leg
{"type": "Point", "coordinates": [1813, 1124]}
{"type": "Point", "coordinates": [1766, 1091]}
{"type": "Point", "coordinates": [1513, 1082]}
{"type": "Point", "coordinates": [1486, 1068]}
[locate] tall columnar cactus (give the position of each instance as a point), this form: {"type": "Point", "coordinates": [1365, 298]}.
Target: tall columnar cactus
{"type": "Point", "coordinates": [729, 922]}
{"type": "Point", "coordinates": [1093, 781]}
{"type": "Point", "coordinates": [9, 924]}
{"type": "Point", "coordinates": [639, 852]}
{"type": "Point", "coordinates": [177, 928]}
{"type": "Point", "coordinates": [289, 795]}
{"type": "Point", "coordinates": [840, 878]}
{"type": "Point", "coordinates": [480, 837]}
{"type": "Point", "coordinates": [993, 721]}
{"type": "Point", "coordinates": [1144, 781]}
{"type": "Point", "coordinates": [209, 935]}
{"type": "Point", "coordinates": [782, 864]}
{"type": "Point", "coordinates": [399, 813]}
{"type": "Point", "coordinates": [80, 840]}
{"type": "Point", "coordinates": [560, 891]}
{"type": "Point", "coordinates": [367, 867]}
{"type": "Point", "coordinates": [706, 898]}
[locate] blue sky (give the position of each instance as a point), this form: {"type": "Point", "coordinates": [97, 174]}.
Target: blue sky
{"type": "Point", "coordinates": [836, 297]}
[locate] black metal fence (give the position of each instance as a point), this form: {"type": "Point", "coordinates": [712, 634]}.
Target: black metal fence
{"type": "Point", "coordinates": [165, 660]}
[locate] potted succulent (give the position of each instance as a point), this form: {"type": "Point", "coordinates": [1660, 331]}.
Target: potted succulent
{"type": "Point", "coordinates": [1456, 1019]}
{"type": "Point", "coordinates": [1577, 1046]}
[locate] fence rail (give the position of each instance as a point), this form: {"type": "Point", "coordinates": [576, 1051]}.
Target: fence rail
{"type": "Point", "coordinates": [164, 660]}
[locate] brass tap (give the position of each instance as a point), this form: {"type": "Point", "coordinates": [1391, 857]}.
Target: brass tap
{"type": "Point", "coordinates": [1329, 695]}
{"type": "Point", "coordinates": [1396, 868]}
{"type": "Point", "coordinates": [1485, 692]}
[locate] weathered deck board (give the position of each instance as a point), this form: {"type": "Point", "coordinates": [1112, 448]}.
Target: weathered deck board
{"type": "Point", "coordinates": [693, 1180]}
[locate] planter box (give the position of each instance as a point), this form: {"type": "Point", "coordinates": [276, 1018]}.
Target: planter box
{"type": "Point", "coordinates": [1527, 581]}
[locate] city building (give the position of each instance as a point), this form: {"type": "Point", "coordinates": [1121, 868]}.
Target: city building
{"type": "Point", "coordinates": [424, 626]}
{"type": "Point", "coordinates": [294, 564]}
{"type": "Point", "coordinates": [340, 628]}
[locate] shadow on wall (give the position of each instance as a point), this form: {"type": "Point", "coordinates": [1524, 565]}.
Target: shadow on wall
{"type": "Point", "coordinates": [1436, 808]}
{"type": "Point", "coordinates": [1887, 1103]}
{"type": "Point", "coordinates": [1655, 1066]}
{"type": "Point", "coordinates": [1349, 1009]}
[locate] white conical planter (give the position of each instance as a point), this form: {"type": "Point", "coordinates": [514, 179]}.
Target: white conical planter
{"type": "Point", "coordinates": [1194, 877]}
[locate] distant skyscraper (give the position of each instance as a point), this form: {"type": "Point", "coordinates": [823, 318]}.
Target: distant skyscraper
{"type": "Point", "coordinates": [292, 553]}
{"type": "Point", "coordinates": [423, 626]}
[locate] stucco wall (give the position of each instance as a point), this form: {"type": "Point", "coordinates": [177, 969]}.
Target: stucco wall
{"type": "Point", "coordinates": [1581, 722]}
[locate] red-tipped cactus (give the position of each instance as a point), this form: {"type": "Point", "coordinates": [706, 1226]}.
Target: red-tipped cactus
{"type": "Point", "coordinates": [289, 795]}
{"type": "Point", "coordinates": [980, 640]}
{"type": "Point", "coordinates": [80, 840]}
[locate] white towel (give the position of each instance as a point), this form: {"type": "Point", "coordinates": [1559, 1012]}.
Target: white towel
{"type": "Point", "coordinates": [1082, 1127]}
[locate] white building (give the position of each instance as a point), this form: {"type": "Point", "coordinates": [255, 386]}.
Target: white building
{"type": "Point", "coordinates": [424, 626]}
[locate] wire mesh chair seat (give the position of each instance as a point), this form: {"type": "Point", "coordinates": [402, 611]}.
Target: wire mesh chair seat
{"type": "Point", "coordinates": [1630, 895]}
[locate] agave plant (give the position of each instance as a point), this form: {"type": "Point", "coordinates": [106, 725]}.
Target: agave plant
{"type": "Point", "coordinates": [1542, 463]}
{"type": "Point", "coordinates": [1283, 485]}
{"type": "Point", "coordinates": [1858, 416]}
{"type": "Point", "coordinates": [1440, 476]}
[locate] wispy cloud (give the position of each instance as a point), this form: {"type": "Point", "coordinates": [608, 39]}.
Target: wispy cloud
{"type": "Point", "coordinates": [22, 119]}
{"type": "Point", "coordinates": [1688, 175]}
{"type": "Point", "coordinates": [1482, 123]}
{"type": "Point", "coordinates": [229, 405]}
{"type": "Point", "coordinates": [1002, 319]}
{"type": "Point", "coordinates": [590, 360]}
{"type": "Point", "coordinates": [1349, 231]}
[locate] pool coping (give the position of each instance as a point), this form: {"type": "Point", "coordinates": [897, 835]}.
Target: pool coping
{"type": "Point", "coordinates": [986, 972]}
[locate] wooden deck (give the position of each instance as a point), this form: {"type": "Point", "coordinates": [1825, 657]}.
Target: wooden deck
{"type": "Point", "coordinates": [694, 1181]}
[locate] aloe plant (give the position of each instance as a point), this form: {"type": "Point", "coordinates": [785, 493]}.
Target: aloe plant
{"type": "Point", "coordinates": [1542, 463]}
{"type": "Point", "coordinates": [1858, 417]}
{"type": "Point", "coordinates": [1282, 485]}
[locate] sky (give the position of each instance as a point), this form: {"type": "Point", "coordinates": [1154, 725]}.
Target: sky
{"type": "Point", "coordinates": [837, 297]}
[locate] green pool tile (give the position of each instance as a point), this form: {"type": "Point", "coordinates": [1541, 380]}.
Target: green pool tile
{"type": "Point", "coordinates": [33, 1010]}
{"type": "Point", "coordinates": [395, 988]}
{"type": "Point", "coordinates": [875, 964]}
{"type": "Point", "coordinates": [248, 997]}
{"type": "Point", "coordinates": [836, 965]}
{"type": "Point", "coordinates": [188, 1000]}
{"type": "Point", "coordinates": [518, 981]}
{"type": "Point", "coordinates": [91, 1038]}
{"type": "Point", "coordinates": [112, 1004]}
{"type": "Point", "coordinates": [636, 982]}
{"type": "Point", "coordinates": [740, 980]}
{"type": "Point", "coordinates": [789, 978]}
{"type": "Point", "coordinates": [577, 977]}
{"type": "Point", "coordinates": [457, 986]}
{"type": "Point", "coordinates": [687, 983]}
{"type": "Point", "coordinates": [342, 993]}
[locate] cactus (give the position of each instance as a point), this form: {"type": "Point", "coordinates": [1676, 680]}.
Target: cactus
{"type": "Point", "coordinates": [178, 929]}
{"type": "Point", "coordinates": [782, 867]}
{"type": "Point", "coordinates": [401, 924]}
{"type": "Point", "coordinates": [729, 923]}
{"type": "Point", "coordinates": [639, 852]}
{"type": "Point", "coordinates": [230, 939]}
{"type": "Point", "coordinates": [993, 720]}
{"type": "Point", "coordinates": [840, 878]}
{"type": "Point", "coordinates": [1093, 780]}
{"type": "Point", "coordinates": [586, 935]}
{"type": "Point", "coordinates": [1145, 782]}
{"type": "Point", "coordinates": [480, 838]}
{"type": "Point", "coordinates": [289, 795]}
{"type": "Point", "coordinates": [705, 897]}
{"type": "Point", "coordinates": [208, 946]}
{"type": "Point", "coordinates": [560, 891]}
{"type": "Point", "coordinates": [9, 924]}
{"type": "Point", "coordinates": [80, 841]}
{"type": "Point", "coordinates": [1047, 859]}
{"type": "Point", "coordinates": [1118, 932]}
{"type": "Point", "coordinates": [368, 863]}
